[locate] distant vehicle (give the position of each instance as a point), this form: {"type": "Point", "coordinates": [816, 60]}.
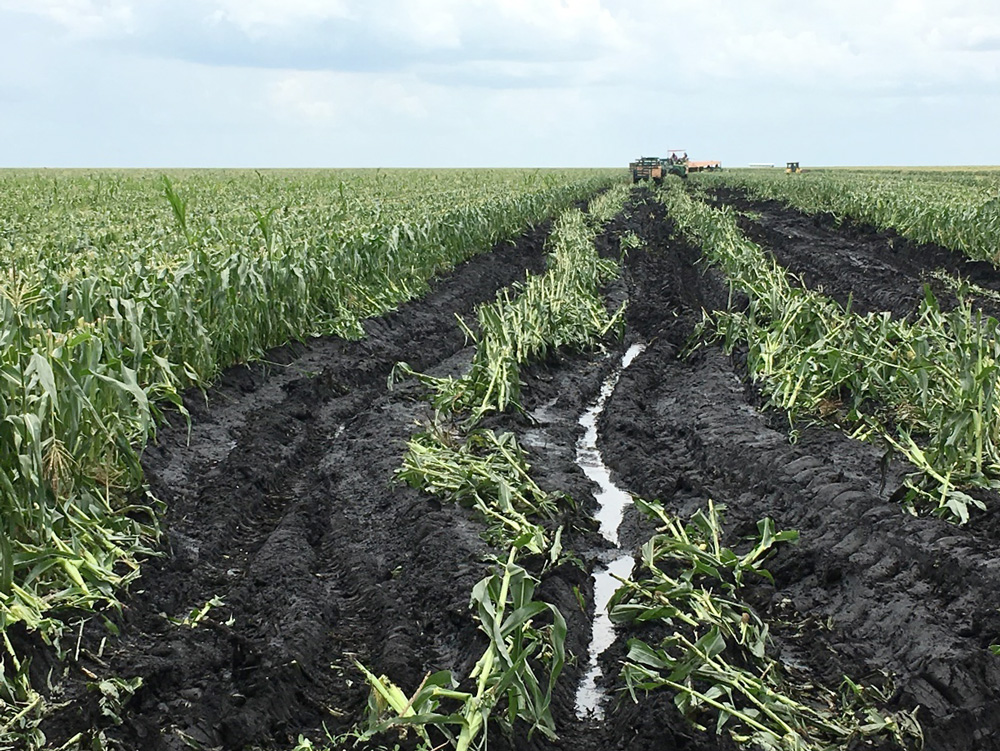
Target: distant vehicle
{"type": "Point", "coordinates": [676, 165]}
{"type": "Point", "coordinates": [647, 168]}
{"type": "Point", "coordinates": [654, 168]}
{"type": "Point", "coordinates": [792, 168]}
{"type": "Point", "coordinates": [709, 166]}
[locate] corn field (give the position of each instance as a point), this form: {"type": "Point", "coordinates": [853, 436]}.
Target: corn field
{"type": "Point", "coordinates": [727, 470]}
{"type": "Point", "coordinates": [121, 290]}
{"type": "Point", "coordinates": [927, 387]}
{"type": "Point", "coordinates": [956, 209]}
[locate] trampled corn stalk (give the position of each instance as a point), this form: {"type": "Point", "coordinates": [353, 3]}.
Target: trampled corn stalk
{"type": "Point", "coordinates": [121, 290]}
{"type": "Point", "coordinates": [958, 210]}
{"type": "Point", "coordinates": [928, 388]}
{"type": "Point", "coordinates": [562, 308]}
{"type": "Point", "coordinates": [478, 468]}
{"type": "Point", "coordinates": [488, 472]}
{"type": "Point", "coordinates": [715, 660]}
{"type": "Point", "coordinates": [517, 672]}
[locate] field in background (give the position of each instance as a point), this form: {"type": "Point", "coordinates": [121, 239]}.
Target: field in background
{"type": "Point", "coordinates": [955, 209]}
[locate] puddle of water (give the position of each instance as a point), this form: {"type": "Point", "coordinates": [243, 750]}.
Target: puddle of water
{"type": "Point", "coordinates": [545, 413]}
{"type": "Point", "coordinates": [612, 501]}
{"type": "Point", "coordinates": [535, 438]}
{"type": "Point", "coordinates": [589, 697]}
{"type": "Point", "coordinates": [541, 416]}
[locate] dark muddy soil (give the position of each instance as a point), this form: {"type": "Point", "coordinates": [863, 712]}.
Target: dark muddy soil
{"type": "Point", "coordinates": [878, 269]}
{"type": "Point", "coordinates": [910, 596]}
{"type": "Point", "coordinates": [282, 504]}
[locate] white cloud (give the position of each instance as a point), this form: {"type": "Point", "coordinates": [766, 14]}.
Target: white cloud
{"type": "Point", "coordinates": [256, 17]}
{"type": "Point", "coordinates": [849, 45]}
{"type": "Point", "coordinates": [436, 24]}
{"type": "Point", "coordinates": [296, 97]}
{"type": "Point", "coordinates": [502, 81]}
{"type": "Point", "coordinates": [329, 99]}
{"type": "Point", "coordinates": [83, 18]}
{"type": "Point", "coordinates": [346, 34]}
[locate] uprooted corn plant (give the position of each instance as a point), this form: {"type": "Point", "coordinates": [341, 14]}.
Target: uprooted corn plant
{"type": "Point", "coordinates": [715, 656]}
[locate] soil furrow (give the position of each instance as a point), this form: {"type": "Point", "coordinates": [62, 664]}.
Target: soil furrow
{"type": "Point", "coordinates": [876, 270]}
{"type": "Point", "coordinates": [282, 504]}
{"type": "Point", "coordinates": [911, 596]}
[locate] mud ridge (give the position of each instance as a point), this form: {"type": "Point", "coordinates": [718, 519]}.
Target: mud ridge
{"type": "Point", "coordinates": [892, 592]}
{"type": "Point", "coordinates": [282, 504]}
{"type": "Point", "coordinates": [879, 270]}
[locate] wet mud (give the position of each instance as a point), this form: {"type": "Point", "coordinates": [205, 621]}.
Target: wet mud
{"type": "Point", "coordinates": [282, 504]}
{"type": "Point", "coordinates": [878, 270]}
{"type": "Point", "coordinates": [868, 589]}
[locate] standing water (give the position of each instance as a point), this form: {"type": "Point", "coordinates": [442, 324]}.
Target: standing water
{"type": "Point", "coordinates": [612, 501]}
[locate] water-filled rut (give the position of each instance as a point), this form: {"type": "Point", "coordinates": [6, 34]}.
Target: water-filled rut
{"type": "Point", "coordinates": [614, 564]}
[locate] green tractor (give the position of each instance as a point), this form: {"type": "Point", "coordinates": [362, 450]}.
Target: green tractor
{"type": "Point", "coordinates": [676, 165]}
{"type": "Point", "coordinates": [655, 169]}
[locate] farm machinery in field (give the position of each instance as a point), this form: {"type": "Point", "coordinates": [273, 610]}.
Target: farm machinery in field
{"type": "Point", "coordinates": [647, 168]}
{"type": "Point", "coordinates": [654, 168]}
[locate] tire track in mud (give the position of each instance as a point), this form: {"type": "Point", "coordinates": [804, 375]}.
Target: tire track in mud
{"type": "Point", "coordinates": [282, 504]}
{"type": "Point", "coordinates": [560, 390]}
{"type": "Point", "coordinates": [916, 597]}
{"type": "Point", "coordinates": [879, 270]}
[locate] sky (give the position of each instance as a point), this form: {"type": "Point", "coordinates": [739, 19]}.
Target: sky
{"type": "Point", "coordinates": [497, 83]}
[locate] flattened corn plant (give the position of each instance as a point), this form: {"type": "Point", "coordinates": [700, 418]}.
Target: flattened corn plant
{"type": "Point", "coordinates": [926, 388]}
{"type": "Point", "coordinates": [560, 308]}
{"type": "Point", "coordinates": [955, 209]}
{"type": "Point", "coordinates": [504, 678]}
{"type": "Point", "coordinates": [121, 289]}
{"type": "Point", "coordinates": [489, 473]}
{"type": "Point", "coordinates": [478, 468]}
{"type": "Point", "coordinates": [715, 656]}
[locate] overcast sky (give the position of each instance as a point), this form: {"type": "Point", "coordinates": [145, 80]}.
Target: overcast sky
{"type": "Point", "coordinates": [330, 83]}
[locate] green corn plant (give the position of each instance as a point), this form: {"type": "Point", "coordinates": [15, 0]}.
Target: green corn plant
{"type": "Point", "coordinates": [715, 658]}
{"type": "Point", "coordinates": [958, 210]}
{"type": "Point", "coordinates": [179, 206]}
{"type": "Point", "coordinates": [927, 387]}
{"type": "Point", "coordinates": [516, 674]}
{"type": "Point", "coordinates": [113, 300]}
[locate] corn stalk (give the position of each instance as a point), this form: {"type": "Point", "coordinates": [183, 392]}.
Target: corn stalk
{"type": "Point", "coordinates": [926, 388]}
{"type": "Point", "coordinates": [120, 290]}
{"type": "Point", "coordinates": [480, 469]}
{"type": "Point", "coordinates": [955, 209]}
{"type": "Point", "coordinates": [716, 658]}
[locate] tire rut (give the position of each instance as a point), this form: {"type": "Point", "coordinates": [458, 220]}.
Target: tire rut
{"type": "Point", "coordinates": [283, 505]}
{"type": "Point", "coordinates": [913, 596]}
{"type": "Point", "coordinates": [875, 270]}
